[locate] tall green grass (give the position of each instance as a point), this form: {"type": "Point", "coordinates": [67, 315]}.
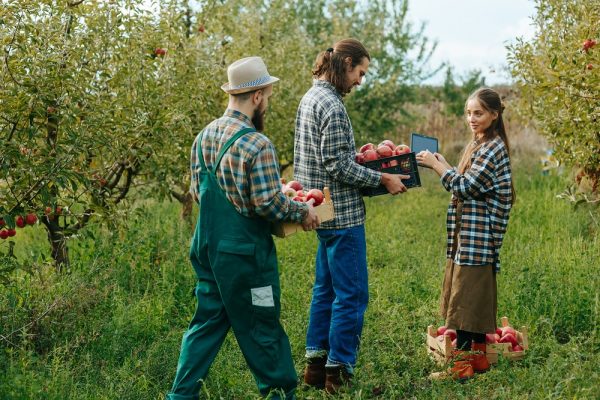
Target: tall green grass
{"type": "Point", "coordinates": [111, 327]}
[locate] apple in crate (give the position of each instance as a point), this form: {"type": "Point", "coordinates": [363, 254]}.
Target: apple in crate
{"type": "Point", "coordinates": [388, 143]}
{"type": "Point", "coordinates": [451, 333]}
{"type": "Point", "coordinates": [490, 338]}
{"type": "Point", "coordinates": [289, 192]}
{"type": "Point", "coordinates": [365, 147]}
{"type": "Point", "coordinates": [295, 185]}
{"type": "Point", "coordinates": [315, 194]}
{"type": "Point", "coordinates": [370, 155]}
{"type": "Point", "coordinates": [384, 151]}
{"type": "Point", "coordinates": [509, 338]}
{"type": "Point", "coordinates": [401, 149]}
{"type": "Point", "coordinates": [359, 158]}
{"type": "Point", "coordinates": [441, 330]}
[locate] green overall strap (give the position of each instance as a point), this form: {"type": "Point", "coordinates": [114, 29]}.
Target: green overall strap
{"type": "Point", "coordinates": [228, 145]}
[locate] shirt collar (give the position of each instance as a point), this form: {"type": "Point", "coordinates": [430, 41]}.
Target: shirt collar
{"type": "Point", "coordinates": [327, 85]}
{"type": "Point", "coordinates": [231, 113]}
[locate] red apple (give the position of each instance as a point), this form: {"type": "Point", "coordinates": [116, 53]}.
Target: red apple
{"type": "Point", "coordinates": [517, 348]}
{"type": "Point", "coordinates": [315, 194]}
{"type": "Point", "coordinates": [2, 223]}
{"type": "Point", "coordinates": [588, 44]}
{"type": "Point", "coordinates": [497, 337]}
{"type": "Point", "coordinates": [299, 198]}
{"type": "Point", "coordinates": [401, 149]}
{"type": "Point", "coordinates": [590, 66]}
{"type": "Point", "coordinates": [301, 193]}
{"type": "Point", "coordinates": [365, 147]}
{"type": "Point", "coordinates": [388, 143]}
{"type": "Point", "coordinates": [509, 338]}
{"type": "Point", "coordinates": [30, 219]}
{"type": "Point", "coordinates": [160, 51]}
{"type": "Point", "coordinates": [498, 331]}
{"type": "Point", "coordinates": [20, 221]}
{"type": "Point", "coordinates": [451, 333]}
{"type": "Point", "coordinates": [359, 158]}
{"type": "Point", "coordinates": [441, 330]}
{"type": "Point", "coordinates": [370, 155]}
{"type": "Point", "coordinates": [508, 329]}
{"type": "Point", "coordinates": [289, 192]}
{"type": "Point", "coordinates": [58, 210]}
{"type": "Point", "coordinates": [385, 151]}
{"type": "Point", "coordinates": [295, 185]}
{"type": "Point", "coordinates": [3, 234]}
{"type": "Point", "coordinates": [201, 28]}
{"type": "Point", "coordinates": [490, 338]}
{"type": "Point", "coordinates": [11, 232]}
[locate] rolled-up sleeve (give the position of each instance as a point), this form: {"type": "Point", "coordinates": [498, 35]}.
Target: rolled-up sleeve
{"type": "Point", "coordinates": [265, 190]}
{"type": "Point", "coordinates": [338, 156]}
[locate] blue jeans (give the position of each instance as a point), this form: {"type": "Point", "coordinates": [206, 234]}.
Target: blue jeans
{"type": "Point", "coordinates": [340, 295]}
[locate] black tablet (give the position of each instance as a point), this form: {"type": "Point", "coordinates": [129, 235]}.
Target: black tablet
{"type": "Point", "coordinates": [420, 142]}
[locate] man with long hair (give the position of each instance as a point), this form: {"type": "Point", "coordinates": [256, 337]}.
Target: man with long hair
{"type": "Point", "coordinates": [324, 151]}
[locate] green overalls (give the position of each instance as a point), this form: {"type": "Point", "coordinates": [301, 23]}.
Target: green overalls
{"type": "Point", "coordinates": [238, 286]}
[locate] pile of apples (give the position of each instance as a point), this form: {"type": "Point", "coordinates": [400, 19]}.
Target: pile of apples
{"type": "Point", "coordinates": [295, 191]}
{"type": "Point", "coordinates": [20, 222]}
{"type": "Point", "coordinates": [387, 148]}
{"type": "Point", "coordinates": [506, 334]}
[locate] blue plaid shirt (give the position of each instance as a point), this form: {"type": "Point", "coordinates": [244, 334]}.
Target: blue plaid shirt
{"type": "Point", "coordinates": [324, 151]}
{"type": "Point", "coordinates": [485, 190]}
{"type": "Point", "coordinates": [249, 170]}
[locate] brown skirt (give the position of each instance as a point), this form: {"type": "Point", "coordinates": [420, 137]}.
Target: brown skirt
{"type": "Point", "coordinates": [469, 298]}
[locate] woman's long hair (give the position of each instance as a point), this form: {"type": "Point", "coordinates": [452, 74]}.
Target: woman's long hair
{"type": "Point", "coordinates": [491, 102]}
{"type": "Point", "coordinates": [330, 63]}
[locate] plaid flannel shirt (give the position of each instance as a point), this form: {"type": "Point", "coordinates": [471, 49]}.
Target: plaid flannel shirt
{"type": "Point", "coordinates": [249, 170]}
{"type": "Point", "coordinates": [485, 190]}
{"type": "Point", "coordinates": [324, 151]}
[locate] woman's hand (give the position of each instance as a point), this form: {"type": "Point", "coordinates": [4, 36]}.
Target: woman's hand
{"type": "Point", "coordinates": [435, 161]}
{"type": "Point", "coordinates": [427, 159]}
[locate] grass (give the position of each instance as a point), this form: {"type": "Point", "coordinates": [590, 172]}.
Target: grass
{"type": "Point", "coordinates": [111, 327]}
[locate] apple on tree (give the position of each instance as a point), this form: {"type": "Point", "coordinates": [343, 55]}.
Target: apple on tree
{"type": "Point", "coordinates": [3, 234]}
{"type": "Point", "coordinates": [20, 221]}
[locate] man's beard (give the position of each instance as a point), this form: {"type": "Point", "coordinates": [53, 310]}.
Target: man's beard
{"type": "Point", "coordinates": [258, 120]}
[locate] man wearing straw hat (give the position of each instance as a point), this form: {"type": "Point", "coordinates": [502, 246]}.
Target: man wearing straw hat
{"type": "Point", "coordinates": [235, 179]}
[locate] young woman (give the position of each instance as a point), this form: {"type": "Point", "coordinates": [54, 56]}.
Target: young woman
{"type": "Point", "coordinates": [482, 196]}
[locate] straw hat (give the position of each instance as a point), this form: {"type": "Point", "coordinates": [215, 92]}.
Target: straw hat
{"type": "Point", "coordinates": [246, 75]}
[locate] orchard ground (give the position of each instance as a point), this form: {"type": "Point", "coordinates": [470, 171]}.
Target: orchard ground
{"type": "Point", "coordinates": [111, 327]}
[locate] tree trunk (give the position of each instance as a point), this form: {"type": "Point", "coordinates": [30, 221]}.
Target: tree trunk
{"type": "Point", "coordinates": [60, 251]}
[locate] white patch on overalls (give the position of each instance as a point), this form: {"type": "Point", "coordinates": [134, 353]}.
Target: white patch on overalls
{"type": "Point", "coordinates": [262, 296]}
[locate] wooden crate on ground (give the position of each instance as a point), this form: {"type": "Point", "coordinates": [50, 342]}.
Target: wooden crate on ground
{"type": "Point", "coordinates": [324, 211]}
{"type": "Point", "coordinates": [441, 349]}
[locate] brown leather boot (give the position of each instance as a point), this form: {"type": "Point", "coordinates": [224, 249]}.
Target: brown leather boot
{"type": "Point", "coordinates": [460, 370]}
{"type": "Point", "coordinates": [336, 378]}
{"type": "Point", "coordinates": [479, 361]}
{"type": "Point", "coordinates": [314, 373]}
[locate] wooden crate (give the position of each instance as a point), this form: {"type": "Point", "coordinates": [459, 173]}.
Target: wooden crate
{"type": "Point", "coordinates": [441, 351]}
{"type": "Point", "coordinates": [324, 211]}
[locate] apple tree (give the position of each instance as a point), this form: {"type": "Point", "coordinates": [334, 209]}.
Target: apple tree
{"type": "Point", "coordinates": [83, 111]}
{"type": "Point", "coordinates": [558, 74]}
